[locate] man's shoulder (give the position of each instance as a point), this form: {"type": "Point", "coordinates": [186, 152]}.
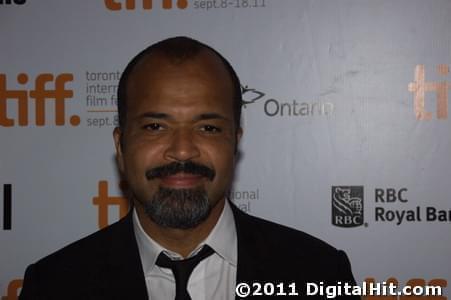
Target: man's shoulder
{"type": "Point", "coordinates": [268, 246]}
{"type": "Point", "coordinates": [89, 250]}
{"type": "Point", "coordinates": [280, 236]}
{"type": "Point", "coordinates": [87, 268]}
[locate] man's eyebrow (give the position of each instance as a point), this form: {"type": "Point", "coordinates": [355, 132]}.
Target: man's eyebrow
{"type": "Point", "coordinates": [209, 116]}
{"type": "Point", "coordinates": [164, 116]}
{"type": "Point", "coordinates": [154, 115]}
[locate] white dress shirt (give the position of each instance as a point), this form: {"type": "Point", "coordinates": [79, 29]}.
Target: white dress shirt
{"type": "Point", "coordinates": [213, 278]}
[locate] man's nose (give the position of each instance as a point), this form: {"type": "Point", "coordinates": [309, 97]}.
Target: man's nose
{"type": "Point", "coordinates": [182, 146]}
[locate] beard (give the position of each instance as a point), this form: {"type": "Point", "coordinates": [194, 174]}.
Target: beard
{"type": "Point", "coordinates": [178, 208]}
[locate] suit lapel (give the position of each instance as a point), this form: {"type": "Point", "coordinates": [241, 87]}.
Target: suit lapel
{"type": "Point", "coordinates": [125, 273]}
{"type": "Point", "coordinates": [249, 266]}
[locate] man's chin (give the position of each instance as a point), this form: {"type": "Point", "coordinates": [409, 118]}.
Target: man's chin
{"type": "Point", "coordinates": [178, 208]}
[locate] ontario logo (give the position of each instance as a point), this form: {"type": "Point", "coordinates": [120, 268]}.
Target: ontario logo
{"type": "Point", "coordinates": [275, 108]}
{"type": "Point", "coordinates": [146, 4]}
{"type": "Point", "coordinates": [38, 96]}
{"type": "Point", "coordinates": [347, 206]}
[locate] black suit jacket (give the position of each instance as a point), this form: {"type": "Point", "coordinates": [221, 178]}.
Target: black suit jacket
{"type": "Point", "coordinates": [107, 265]}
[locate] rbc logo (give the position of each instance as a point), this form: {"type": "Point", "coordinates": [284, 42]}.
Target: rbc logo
{"type": "Point", "coordinates": [347, 206]}
{"type": "Point", "coordinates": [40, 95]}
{"type": "Point", "coordinates": [146, 4]}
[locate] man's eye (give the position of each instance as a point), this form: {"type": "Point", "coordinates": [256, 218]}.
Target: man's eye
{"type": "Point", "coordinates": [153, 126]}
{"type": "Point", "coordinates": [210, 129]}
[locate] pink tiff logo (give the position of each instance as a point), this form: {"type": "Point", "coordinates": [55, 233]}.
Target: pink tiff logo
{"type": "Point", "coordinates": [146, 4]}
{"type": "Point", "coordinates": [419, 87]}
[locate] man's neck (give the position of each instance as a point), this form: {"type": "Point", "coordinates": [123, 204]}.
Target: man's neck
{"type": "Point", "coordinates": [181, 241]}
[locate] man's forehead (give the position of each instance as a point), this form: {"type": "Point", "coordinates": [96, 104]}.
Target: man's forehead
{"type": "Point", "coordinates": [156, 62]}
{"type": "Point", "coordinates": [204, 76]}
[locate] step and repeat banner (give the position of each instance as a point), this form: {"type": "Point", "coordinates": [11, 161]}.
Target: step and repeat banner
{"type": "Point", "coordinates": [347, 133]}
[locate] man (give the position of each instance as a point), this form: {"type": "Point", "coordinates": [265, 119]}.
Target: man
{"type": "Point", "coordinates": [179, 111]}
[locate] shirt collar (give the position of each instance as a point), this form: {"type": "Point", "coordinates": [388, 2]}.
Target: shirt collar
{"type": "Point", "coordinates": [222, 239]}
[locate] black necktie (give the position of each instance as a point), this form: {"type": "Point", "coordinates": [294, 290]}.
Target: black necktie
{"type": "Point", "coordinates": [182, 270]}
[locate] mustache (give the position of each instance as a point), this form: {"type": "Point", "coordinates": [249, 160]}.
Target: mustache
{"type": "Point", "coordinates": [177, 167]}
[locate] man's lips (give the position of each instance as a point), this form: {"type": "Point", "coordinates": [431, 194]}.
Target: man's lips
{"type": "Point", "coordinates": [181, 180]}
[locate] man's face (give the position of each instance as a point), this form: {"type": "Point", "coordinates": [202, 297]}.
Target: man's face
{"type": "Point", "coordinates": [178, 151]}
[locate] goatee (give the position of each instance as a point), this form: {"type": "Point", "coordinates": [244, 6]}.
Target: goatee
{"type": "Point", "coordinates": [178, 208]}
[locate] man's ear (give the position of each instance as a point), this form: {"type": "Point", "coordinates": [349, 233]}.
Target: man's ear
{"type": "Point", "coordinates": [118, 143]}
{"type": "Point", "coordinates": [238, 135]}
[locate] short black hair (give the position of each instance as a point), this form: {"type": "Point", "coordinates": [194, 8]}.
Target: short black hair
{"type": "Point", "coordinates": [177, 49]}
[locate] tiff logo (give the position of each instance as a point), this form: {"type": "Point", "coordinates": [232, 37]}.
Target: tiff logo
{"type": "Point", "coordinates": [419, 87]}
{"type": "Point", "coordinates": [13, 290]}
{"type": "Point", "coordinates": [104, 201]}
{"type": "Point", "coordinates": [40, 95]}
{"type": "Point", "coordinates": [18, 2]}
{"type": "Point", "coordinates": [146, 4]}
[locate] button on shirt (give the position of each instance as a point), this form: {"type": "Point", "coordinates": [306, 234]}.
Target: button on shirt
{"type": "Point", "coordinates": [213, 278]}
